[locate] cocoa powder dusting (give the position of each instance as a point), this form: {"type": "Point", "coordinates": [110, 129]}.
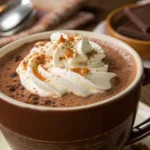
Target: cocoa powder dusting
{"type": "Point", "coordinates": [36, 73]}
{"type": "Point", "coordinates": [69, 53]}
{"type": "Point", "coordinates": [81, 71]}
{"type": "Point", "coordinates": [14, 74]}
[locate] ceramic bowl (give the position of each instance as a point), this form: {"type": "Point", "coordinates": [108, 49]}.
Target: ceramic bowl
{"type": "Point", "coordinates": [116, 18]}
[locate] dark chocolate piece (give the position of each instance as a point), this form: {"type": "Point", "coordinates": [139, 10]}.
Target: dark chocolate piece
{"type": "Point", "coordinates": [14, 74]}
{"type": "Point", "coordinates": [48, 102]}
{"type": "Point", "coordinates": [17, 58]}
{"type": "Point", "coordinates": [12, 88]}
{"type": "Point", "coordinates": [138, 25]}
{"type": "Point", "coordinates": [135, 20]}
{"type": "Point", "coordinates": [130, 30]}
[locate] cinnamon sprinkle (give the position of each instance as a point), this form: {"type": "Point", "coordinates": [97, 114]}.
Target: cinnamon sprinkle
{"type": "Point", "coordinates": [24, 65]}
{"type": "Point", "coordinates": [30, 101]}
{"type": "Point", "coordinates": [13, 74]}
{"type": "Point", "coordinates": [46, 68]}
{"type": "Point", "coordinates": [70, 38]}
{"type": "Point", "coordinates": [69, 53]}
{"type": "Point", "coordinates": [61, 39]}
{"type": "Point", "coordinates": [39, 75]}
{"type": "Point", "coordinates": [81, 71]}
{"type": "Point", "coordinates": [41, 58]}
{"type": "Point", "coordinates": [40, 44]}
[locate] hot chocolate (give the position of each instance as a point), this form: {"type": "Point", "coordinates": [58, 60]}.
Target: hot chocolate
{"type": "Point", "coordinates": [64, 76]}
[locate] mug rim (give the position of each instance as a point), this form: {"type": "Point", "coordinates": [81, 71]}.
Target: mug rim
{"type": "Point", "coordinates": [39, 36]}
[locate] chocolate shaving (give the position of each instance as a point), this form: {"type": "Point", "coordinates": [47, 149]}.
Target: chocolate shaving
{"type": "Point", "coordinates": [12, 88]}
{"type": "Point", "coordinates": [33, 99]}
{"type": "Point", "coordinates": [14, 74]}
{"type": "Point", "coordinates": [48, 102]}
{"type": "Point", "coordinates": [17, 58]}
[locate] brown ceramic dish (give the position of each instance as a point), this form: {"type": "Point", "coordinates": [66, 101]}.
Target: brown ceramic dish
{"type": "Point", "coordinates": [116, 18]}
{"type": "Point", "coordinates": [102, 125]}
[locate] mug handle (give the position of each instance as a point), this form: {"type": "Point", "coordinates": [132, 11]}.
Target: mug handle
{"type": "Point", "coordinates": [139, 132]}
{"type": "Point", "coordinates": [143, 129]}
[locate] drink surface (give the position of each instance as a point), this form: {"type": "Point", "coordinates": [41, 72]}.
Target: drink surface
{"type": "Point", "coordinates": [119, 61]}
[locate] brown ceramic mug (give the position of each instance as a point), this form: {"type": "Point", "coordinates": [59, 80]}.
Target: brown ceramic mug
{"type": "Point", "coordinates": [102, 125]}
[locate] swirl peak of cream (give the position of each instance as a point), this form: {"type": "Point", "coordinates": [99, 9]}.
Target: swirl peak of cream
{"type": "Point", "coordinates": [67, 63]}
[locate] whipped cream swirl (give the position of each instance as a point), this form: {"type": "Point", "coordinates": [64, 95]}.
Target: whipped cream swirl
{"type": "Point", "coordinates": [67, 63]}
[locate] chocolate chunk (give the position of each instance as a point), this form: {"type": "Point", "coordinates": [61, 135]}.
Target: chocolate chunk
{"type": "Point", "coordinates": [48, 102]}
{"type": "Point", "coordinates": [138, 23]}
{"type": "Point", "coordinates": [17, 57]}
{"type": "Point", "coordinates": [32, 95]}
{"type": "Point", "coordinates": [14, 74]}
{"type": "Point", "coordinates": [135, 20]}
{"type": "Point", "coordinates": [12, 88]}
{"type": "Point", "coordinates": [36, 97]}
{"type": "Point", "coordinates": [130, 30]}
{"type": "Point", "coordinates": [33, 99]}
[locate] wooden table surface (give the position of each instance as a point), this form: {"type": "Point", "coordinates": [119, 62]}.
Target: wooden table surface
{"type": "Point", "coordinates": [101, 8]}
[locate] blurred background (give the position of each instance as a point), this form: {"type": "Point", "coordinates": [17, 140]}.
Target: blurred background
{"type": "Point", "coordinates": [43, 15]}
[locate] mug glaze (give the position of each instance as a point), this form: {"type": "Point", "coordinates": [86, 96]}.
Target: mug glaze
{"type": "Point", "coordinates": [102, 125]}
